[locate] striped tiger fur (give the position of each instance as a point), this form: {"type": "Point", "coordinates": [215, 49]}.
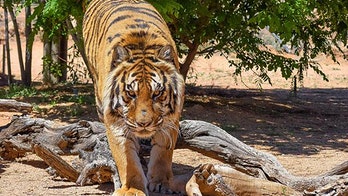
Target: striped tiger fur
{"type": "Point", "coordinates": [139, 91]}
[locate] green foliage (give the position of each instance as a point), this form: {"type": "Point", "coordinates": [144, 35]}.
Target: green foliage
{"type": "Point", "coordinates": [51, 96]}
{"type": "Point", "coordinates": [225, 26]}
{"type": "Point", "coordinates": [51, 16]}
{"type": "Point", "coordinates": [78, 72]}
{"type": "Point", "coordinates": [17, 91]}
{"type": "Point", "coordinates": [232, 26]}
{"type": "Point", "coordinates": [54, 68]}
{"type": "Point", "coordinates": [168, 7]}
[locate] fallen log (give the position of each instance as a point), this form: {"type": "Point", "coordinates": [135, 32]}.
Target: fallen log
{"type": "Point", "coordinates": [223, 180]}
{"type": "Point", "coordinates": [245, 164]}
{"type": "Point", "coordinates": [214, 142]}
{"type": "Point", "coordinates": [61, 167]}
{"type": "Point", "coordinates": [10, 105]}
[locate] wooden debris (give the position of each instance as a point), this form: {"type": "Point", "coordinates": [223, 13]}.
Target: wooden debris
{"type": "Point", "coordinates": [248, 170]}
{"type": "Point", "coordinates": [52, 159]}
{"type": "Point", "coordinates": [10, 105]}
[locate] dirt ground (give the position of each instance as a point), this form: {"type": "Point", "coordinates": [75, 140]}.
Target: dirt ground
{"type": "Point", "coordinates": [308, 133]}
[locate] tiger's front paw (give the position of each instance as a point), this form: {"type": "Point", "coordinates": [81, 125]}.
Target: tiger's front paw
{"type": "Point", "coordinates": [159, 187]}
{"type": "Point", "coordinates": [128, 192]}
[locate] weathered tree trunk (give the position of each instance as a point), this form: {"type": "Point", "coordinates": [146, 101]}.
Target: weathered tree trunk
{"type": "Point", "coordinates": [7, 43]}
{"type": "Point", "coordinates": [249, 171]}
{"type": "Point", "coordinates": [3, 58]}
{"type": "Point", "coordinates": [224, 180]}
{"type": "Point", "coordinates": [18, 42]}
{"type": "Point", "coordinates": [214, 142]}
{"type": "Point", "coordinates": [62, 56]}
{"type": "Point", "coordinates": [61, 167]}
{"type": "Point", "coordinates": [47, 61]}
{"type": "Point", "coordinates": [28, 47]}
{"type": "Point", "coordinates": [185, 67]}
{"type": "Point", "coordinates": [10, 105]}
{"type": "Point", "coordinates": [55, 59]}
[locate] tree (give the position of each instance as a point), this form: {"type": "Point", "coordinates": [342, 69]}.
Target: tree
{"type": "Point", "coordinates": [28, 47]}
{"type": "Point", "coordinates": [54, 18]}
{"type": "Point", "coordinates": [10, 6]}
{"type": "Point", "coordinates": [226, 26]}
{"type": "Point", "coordinates": [7, 45]}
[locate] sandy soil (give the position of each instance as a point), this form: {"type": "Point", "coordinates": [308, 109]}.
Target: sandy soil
{"type": "Point", "coordinates": [307, 134]}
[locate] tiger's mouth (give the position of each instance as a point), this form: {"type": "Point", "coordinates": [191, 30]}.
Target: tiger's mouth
{"type": "Point", "coordinates": [144, 131]}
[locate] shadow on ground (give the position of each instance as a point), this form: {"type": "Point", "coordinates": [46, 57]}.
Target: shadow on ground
{"type": "Point", "coordinates": [316, 119]}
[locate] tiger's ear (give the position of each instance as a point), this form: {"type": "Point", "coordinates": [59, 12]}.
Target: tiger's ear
{"type": "Point", "coordinates": [120, 54]}
{"type": "Point", "coordinates": [166, 53]}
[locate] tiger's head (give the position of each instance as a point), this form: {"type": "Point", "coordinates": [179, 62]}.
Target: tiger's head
{"type": "Point", "coordinates": [144, 91]}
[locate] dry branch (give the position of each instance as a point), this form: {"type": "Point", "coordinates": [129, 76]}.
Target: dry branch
{"type": "Point", "coordinates": [52, 159]}
{"type": "Point", "coordinates": [10, 105]}
{"type": "Point", "coordinates": [248, 169]}
{"type": "Point", "coordinates": [214, 142]}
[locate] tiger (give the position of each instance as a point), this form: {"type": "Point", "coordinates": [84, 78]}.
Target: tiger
{"type": "Point", "coordinates": [139, 90]}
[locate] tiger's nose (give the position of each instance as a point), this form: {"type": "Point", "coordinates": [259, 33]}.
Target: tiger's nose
{"type": "Point", "coordinates": [143, 112]}
{"type": "Point", "coordinates": [144, 119]}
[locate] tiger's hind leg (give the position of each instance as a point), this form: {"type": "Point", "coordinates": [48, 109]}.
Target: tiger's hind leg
{"type": "Point", "coordinates": [160, 174]}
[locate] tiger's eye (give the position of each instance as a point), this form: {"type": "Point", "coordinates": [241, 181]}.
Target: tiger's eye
{"type": "Point", "coordinates": [156, 93]}
{"type": "Point", "coordinates": [131, 94]}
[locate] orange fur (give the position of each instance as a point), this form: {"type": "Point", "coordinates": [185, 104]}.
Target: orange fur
{"type": "Point", "coordinates": [139, 91]}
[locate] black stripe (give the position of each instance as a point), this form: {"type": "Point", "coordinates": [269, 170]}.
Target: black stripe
{"type": "Point", "coordinates": [148, 12]}
{"type": "Point", "coordinates": [138, 26]}
{"type": "Point", "coordinates": [123, 78]}
{"type": "Point", "coordinates": [164, 77]}
{"type": "Point", "coordinates": [152, 59]}
{"type": "Point", "coordinates": [149, 22]}
{"type": "Point", "coordinates": [118, 19]}
{"type": "Point", "coordinates": [113, 37]}
{"type": "Point", "coordinates": [139, 34]}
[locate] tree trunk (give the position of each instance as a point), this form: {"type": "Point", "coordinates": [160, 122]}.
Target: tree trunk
{"type": "Point", "coordinates": [55, 60]}
{"type": "Point", "coordinates": [185, 67]}
{"type": "Point", "coordinates": [7, 43]}
{"type": "Point", "coordinates": [28, 47]}
{"type": "Point", "coordinates": [48, 78]}
{"type": "Point", "coordinates": [63, 57]}
{"type": "Point", "coordinates": [214, 142]}
{"type": "Point", "coordinates": [250, 172]}
{"type": "Point", "coordinates": [18, 42]}
{"type": "Point", "coordinates": [3, 58]}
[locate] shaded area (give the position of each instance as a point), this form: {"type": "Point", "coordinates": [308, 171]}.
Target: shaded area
{"type": "Point", "coordinates": [303, 125]}
{"type": "Point", "coordinates": [313, 121]}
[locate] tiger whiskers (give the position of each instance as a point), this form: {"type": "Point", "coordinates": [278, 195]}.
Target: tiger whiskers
{"type": "Point", "coordinates": [130, 124]}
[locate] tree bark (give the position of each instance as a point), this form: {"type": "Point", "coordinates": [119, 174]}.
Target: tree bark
{"type": "Point", "coordinates": [56, 162]}
{"type": "Point", "coordinates": [7, 43]}
{"type": "Point", "coordinates": [249, 171]}
{"type": "Point", "coordinates": [185, 67]}
{"type": "Point", "coordinates": [18, 42]}
{"type": "Point", "coordinates": [10, 105]}
{"type": "Point", "coordinates": [28, 47]}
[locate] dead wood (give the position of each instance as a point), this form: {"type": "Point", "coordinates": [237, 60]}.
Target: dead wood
{"type": "Point", "coordinates": [224, 180]}
{"type": "Point", "coordinates": [251, 168]}
{"type": "Point", "coordinates": [16, 140]}
{"type": "Point", "coordinates": [72, 138]}
{"type": "Point", "coordinates": [214, 142]}
{"type": "Point", "coordinates": [52, 159]}
{"type": "Point", "coordinates": [10, 105]}
{"type": "Point", "coordinates": [98, 165]}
